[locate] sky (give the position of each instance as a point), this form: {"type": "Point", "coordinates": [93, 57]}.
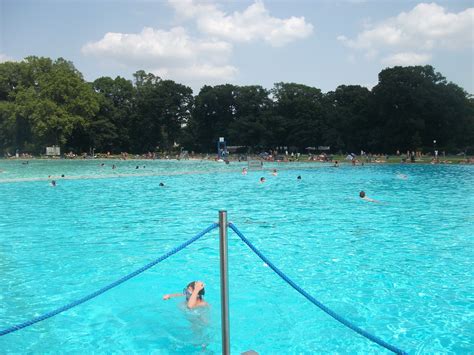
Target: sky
{"type": "Point", "coordinates": [320, 43]}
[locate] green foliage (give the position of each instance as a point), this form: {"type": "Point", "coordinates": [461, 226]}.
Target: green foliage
{"type": "Point", "coordinates": [45, 102]}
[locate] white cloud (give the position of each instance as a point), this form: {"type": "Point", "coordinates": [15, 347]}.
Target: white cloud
{"type": "Point", "coordinates": [160, 46]}
{"type": "Point", "coordinates": [174, 53]}
{"type": "Point", "coordinates": [5, 58]}
{"type": "Point", "coordinates": [203, 72]}
{"type": "Point", "coordinates": [407, 58]}
{"type": "Point", "coordinates": [252, 24]}
{"type": "Point", "coordinates": [410, 37]}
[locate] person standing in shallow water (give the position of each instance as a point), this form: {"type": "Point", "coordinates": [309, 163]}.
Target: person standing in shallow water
{"type": "Point", "coordinates": [194, 294]}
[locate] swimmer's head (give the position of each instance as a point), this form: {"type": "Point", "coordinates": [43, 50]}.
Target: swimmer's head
{"type": "Point", "coordinates": [362, 194]}
{"type": "Point", "coordinates": [188, 291]}
{"type": "Point", "coordinates": [299, 177]}
{"type": "Point", "coordinates": [161, 184]}
{"type": "Point", "coordinates": [262, 179]}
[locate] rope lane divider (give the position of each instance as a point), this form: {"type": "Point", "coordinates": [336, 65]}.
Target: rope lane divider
{"type": "Point", "coordinates": [32, 321]}
{"type": "Point", "coordinates": [310, 298]}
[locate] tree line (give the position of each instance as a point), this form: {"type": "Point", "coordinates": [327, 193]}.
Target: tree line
{"type": "Point", "coordinates": [46, 102]}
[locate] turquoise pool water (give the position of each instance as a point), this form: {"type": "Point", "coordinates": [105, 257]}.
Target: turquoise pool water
{"type": "Point", "coordinates": [402, 270]}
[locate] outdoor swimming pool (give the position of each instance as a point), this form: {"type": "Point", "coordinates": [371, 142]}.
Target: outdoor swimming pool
{"type": "Point", "coordinates": [402, 270]}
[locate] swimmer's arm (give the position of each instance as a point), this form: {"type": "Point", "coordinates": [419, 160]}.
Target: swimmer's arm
{"type": "Point", "coordinates": [371, 200]}
{"type": "Point", "coordinates": [172, 295]}
{"type": "Point", "coordinates": [193, 300]}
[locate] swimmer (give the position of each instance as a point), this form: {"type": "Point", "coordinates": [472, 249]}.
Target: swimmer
{"type": "Point", "coordinates": [362, 196]}
{"type": "Point", "coordinates": [262, 179]}
{"type": "Point", "coordinates": [137, 167]}
{"type": "Point", "coordinates": [402, 176]}
{"type": "Point", "coordinates": [244, 171]}
{"type": "Point", "coordinates": [161, 184]}
{"type": "Point", "coordinates": [336, 164]}
{"type": "Point", "coordinates": [299, 177]}
{"type": "Point", "coordinates": [274, 173]}
{"type": "Point", "coordinates": [194, 293]}
{"type": "Point", "coordinates": [53, 183]}
{"type": "Point", "coordinates": [62, 175]}
{"type": "Point", "coordinates": [113, 166]}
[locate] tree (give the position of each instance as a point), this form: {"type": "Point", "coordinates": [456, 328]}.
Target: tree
{"type": "Point", "coordinates": [251, 106]}
{"type": "Point", "coordinates": [301, 108]}
{"type": "Point", "coordinates": [162, 108]}
{"type": "Point", "coordinates": [417, 99]}
{"type": "Point", "coordinates": [111, 129]}
{"type": "Point", "coordinates": [348, 113]}
{"type": "Point", "coordinates": [50, 99]}
{"type": "Point", "coordinates": [214, 112]}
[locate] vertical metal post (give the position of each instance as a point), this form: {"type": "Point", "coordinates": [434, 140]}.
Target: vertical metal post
{"type": "Point", "coordinates": [224, 282]}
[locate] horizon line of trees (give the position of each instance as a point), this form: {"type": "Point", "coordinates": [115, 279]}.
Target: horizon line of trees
{"type": "Point", "coordinates": [45, 102]}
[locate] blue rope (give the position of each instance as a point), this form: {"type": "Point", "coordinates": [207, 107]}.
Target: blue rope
{"type": "Point", "coordinates": [333, 314]}
{"type": "Point", "coordinates": [108, 287]}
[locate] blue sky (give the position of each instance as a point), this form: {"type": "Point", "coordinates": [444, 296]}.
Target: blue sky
{"type": "Point", "coordinates": [321, 43]}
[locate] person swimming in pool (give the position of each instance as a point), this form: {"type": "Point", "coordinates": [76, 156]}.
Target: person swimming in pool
{"type": "Point", "coordinates": [364, 197]}
{"type": "Point", "coordinates": [194, 293]}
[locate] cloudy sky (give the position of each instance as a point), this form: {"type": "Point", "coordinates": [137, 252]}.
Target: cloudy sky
{"type": "Point", "coordinates": [321, 43]}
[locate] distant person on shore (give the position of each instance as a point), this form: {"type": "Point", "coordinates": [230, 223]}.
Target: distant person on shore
{"type": "Point", "coordinates": [194, 293]}
{"type": "Point", "coordinates": [262, 180]}
{"type": "Point", "coordinates": [364, 197]}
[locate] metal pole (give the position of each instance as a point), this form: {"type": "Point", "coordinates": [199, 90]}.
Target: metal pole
{"type": "Point", "coordinates": [224, 282]}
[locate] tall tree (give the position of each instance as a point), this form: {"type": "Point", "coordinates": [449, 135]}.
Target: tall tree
{"type": "Point", "coordinates": [416, 104]}
{"type": "Point", "coordinates": [347, 113]}
{"type": "Point", "coordinates": [301, 108]}
{"type": "Point", "coordinates": [50, 99]}
{"type": "Point", "coordinates": [252, 106]}
{"type": "Point", "coordinates": [162, 108]}
{"type": "Point", "coordinates": [214, 112]}
{"type": "Point", "coordinates": [110, 130]}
